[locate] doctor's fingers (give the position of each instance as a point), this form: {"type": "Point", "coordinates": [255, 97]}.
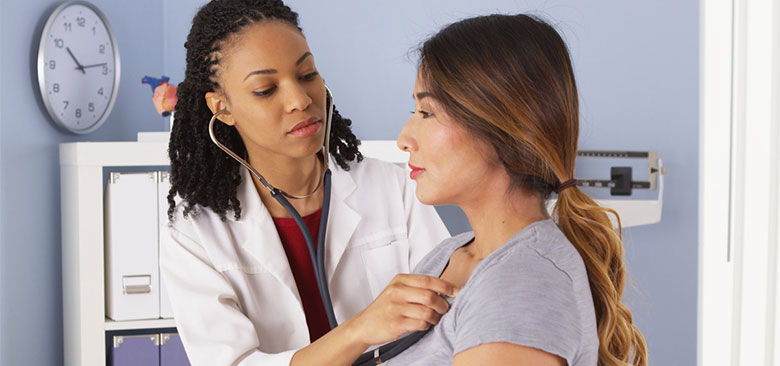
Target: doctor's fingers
{"type": "Point", "coordinates": [422, 314]}
{"type": "Point", "coordinates": [402, 295]}
{"type": "Point", "coordinates": [427, 282]}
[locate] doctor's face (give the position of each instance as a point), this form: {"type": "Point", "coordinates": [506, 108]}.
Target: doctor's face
{"type": "Point", "coordinates": [273, 91]}
{"type": "Point", "coordinates": [449, 165]}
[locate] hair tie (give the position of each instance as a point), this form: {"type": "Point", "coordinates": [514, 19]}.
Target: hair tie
{"type": "Point", "coordinates": [566, 184]}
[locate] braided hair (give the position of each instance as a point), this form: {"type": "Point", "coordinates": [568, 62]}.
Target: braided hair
{"type": "Point", "coordinates": [201, 173]}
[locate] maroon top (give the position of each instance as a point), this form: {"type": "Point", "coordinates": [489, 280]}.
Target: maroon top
{"type": "Point", "coordinates": [303, 271]}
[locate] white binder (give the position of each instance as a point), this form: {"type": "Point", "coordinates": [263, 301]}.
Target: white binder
{"type": "Point", "coordinates": [163, 187]}
{"type": "Point", "coordinates": [131, 246]}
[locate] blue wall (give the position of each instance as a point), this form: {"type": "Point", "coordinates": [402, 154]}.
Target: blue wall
{"type": "Point", "coordinates": [30, 254]}
{"type": "Point", "coordinates": [636, 64]}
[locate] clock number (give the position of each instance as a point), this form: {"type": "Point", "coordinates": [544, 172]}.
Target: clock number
{"type": "Point", "coordinates": [100, 91]}
{"type": "Point", "coordinates": [59, 43]}
{"type": "Point", "coordinates": [102, 48]}
{"type": "Point", "coordinates": [81, 21]}
{"type": "Point", "coordinates": [52, 64]}
{"type": "Point", "coordinates": [78, 112]}
{"type": "Point", "coordinates": [105, 70]}
{"type": "Point", "coordinates": [56, 87]}
{"type": "Point", "coordinates": [91, 107]}
{"type": "Point", "coordinates": [93, 31]}
{"type": "Point", "coordinates": [66, 105]}
{"type": "Point", "coordinates": [68, 27]}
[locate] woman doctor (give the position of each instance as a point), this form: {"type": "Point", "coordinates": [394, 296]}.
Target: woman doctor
{"type": "Point", "coordinates": [237, 269]}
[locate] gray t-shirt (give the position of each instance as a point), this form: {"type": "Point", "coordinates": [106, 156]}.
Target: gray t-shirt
{"type": "Point", "coordinates": [533, 291]}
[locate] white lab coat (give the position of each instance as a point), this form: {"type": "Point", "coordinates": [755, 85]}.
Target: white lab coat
{"type": "Point", "coordinates": [233, 294]}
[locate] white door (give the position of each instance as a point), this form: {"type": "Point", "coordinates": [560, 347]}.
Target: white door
{"type": "Point", "coordinates": [738, 197]}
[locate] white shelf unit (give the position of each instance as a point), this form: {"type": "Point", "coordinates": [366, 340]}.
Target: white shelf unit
{"type": "Point", "coordinates": [83, 283]}
{"type": "Point", "coordinates": [83, 271]}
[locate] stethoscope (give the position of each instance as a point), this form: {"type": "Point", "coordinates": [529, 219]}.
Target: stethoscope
{"type": "Point", "coordinates": [317, 253]}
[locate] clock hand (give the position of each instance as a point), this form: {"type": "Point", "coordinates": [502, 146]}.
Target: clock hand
{"type": "Point", "coordinates": [88, 66]}
{"type": "Point", "coordinates": [78, 65]}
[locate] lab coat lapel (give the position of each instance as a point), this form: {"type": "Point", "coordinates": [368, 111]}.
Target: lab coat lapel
{"type": "Point", "coordinates": [262, 240]}
{"type": "Point", "coordinates": [342, 220]}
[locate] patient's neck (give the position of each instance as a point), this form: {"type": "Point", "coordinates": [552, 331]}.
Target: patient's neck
{"type": "Point", "coordinates": [498, 214]}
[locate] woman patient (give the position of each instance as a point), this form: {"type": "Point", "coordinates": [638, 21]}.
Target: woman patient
{"type": "Point", "coordinates": [495, 131]}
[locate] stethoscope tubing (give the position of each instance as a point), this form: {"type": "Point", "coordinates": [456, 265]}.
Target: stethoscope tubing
{"type": "Point", "coordinates": [316, 254]}
{"type": "Point", "coordinates": [252, 170]}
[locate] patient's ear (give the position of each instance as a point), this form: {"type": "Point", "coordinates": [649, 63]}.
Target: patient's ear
{"type": "Point", "coordinates": [216, 102]}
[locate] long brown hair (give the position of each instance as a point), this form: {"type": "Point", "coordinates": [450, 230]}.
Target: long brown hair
{"type": "Point", "coordinates": [508, 80]}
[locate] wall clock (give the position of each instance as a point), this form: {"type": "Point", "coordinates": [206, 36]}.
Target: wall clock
{"type": "Point", "coordinates": [78, 67]}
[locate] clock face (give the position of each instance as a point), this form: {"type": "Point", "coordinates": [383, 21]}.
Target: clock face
{"type": "Point", "coordinates": [78, 67]}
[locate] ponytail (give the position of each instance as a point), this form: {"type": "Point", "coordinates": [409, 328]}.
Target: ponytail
{"type": "Point", "coordinates": [590, 230]}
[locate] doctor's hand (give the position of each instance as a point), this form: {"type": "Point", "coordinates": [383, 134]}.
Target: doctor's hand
{"type": "Point", "coordinates": [409, 303]}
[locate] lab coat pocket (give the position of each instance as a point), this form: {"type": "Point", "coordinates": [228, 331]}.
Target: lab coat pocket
{"type": "Point", "coordinates": [384, 262]}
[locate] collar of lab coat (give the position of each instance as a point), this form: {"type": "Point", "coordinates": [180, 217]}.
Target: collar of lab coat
{"type": "Point", "coordinates": [263, 241]}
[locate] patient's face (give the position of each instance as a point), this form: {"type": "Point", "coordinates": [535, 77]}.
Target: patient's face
{"type": "Point", "coordinates": [449, 165]}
